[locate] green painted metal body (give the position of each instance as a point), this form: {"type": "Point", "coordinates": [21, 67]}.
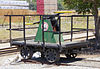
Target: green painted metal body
{"type": "Point", "coordinates": [49, 37]}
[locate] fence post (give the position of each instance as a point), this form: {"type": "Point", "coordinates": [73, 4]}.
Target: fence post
{"type": "Point", "coordinates": [71, 28]}
{"type": "Point", "coordinates": [87, 27]}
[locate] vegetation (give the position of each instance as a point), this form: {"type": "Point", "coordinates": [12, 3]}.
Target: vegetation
{"type": "Point", "coordinates": [61, 5]}
{"type": "Point", "coordinates": [84, 6]}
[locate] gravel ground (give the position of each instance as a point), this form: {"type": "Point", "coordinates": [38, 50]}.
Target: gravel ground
{"type": "Point", "coordinates": [39, 66]}
{"type": "Point", "coordinates": [8, 62]}
{"type": "Point", "coordinates": [11, 61]}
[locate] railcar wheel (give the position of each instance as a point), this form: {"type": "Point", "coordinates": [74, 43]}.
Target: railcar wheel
{"type": "Point", "coordinates": [71, 55]}
{"type": "Point", "coordinates": [42, 55]}
{"type": "Point", "coordinates": [68, 56]}
{"type": "Point", "coordinates": [26, 52]}
{"type": "Point", "coordinates": [52, 55]}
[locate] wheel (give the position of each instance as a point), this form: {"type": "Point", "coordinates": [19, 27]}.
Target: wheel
{"type": "Point", "coordinates": [26, 52]}
{"type": "Point", "coordinates": [71, 55]}
{"type": "Point", "coordinates": [42, 55]}
{"type": "Point", "coordinates": [52, 55]}
{"type": "Point", "coordinates": [68, 56]}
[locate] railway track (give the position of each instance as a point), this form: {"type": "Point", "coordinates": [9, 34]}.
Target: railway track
{"type": "Point", "coordinates": [8, 51]}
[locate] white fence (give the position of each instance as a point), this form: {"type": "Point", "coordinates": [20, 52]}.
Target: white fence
{"type": "Point", "coordinates": [13, 7]}
{"type": "Point", "coordinates": [21, 3]}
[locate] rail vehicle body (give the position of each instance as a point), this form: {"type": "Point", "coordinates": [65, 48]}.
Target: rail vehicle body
{"type": "Point", "coordinates": [49, 38]}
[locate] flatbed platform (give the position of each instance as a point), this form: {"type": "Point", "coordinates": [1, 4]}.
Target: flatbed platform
{"type": "Point", "coordinates": [68, 45]}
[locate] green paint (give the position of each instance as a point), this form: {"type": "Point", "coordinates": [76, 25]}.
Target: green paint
{"type": "Point", "coordinates": [49, 37]}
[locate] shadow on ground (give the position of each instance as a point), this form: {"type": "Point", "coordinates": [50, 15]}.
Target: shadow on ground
{"type": "Point", "coordinates": [60, 62]}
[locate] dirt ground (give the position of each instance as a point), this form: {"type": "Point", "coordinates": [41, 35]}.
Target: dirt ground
{"type": "Point", "coordinates": [12, 60]}
{"type": "Point", "coordinates": [81, 62]}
